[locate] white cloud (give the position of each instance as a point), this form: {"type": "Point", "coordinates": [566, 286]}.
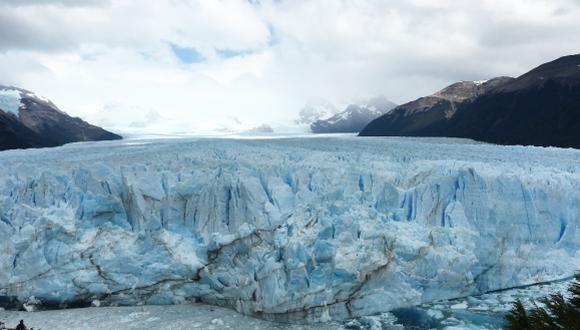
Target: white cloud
{"type": "Point", "coordinates": [261, 62]}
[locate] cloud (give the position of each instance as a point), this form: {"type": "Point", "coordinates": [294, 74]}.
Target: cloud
{"type": "Point", "coordinates": [67, 3]}
{"type": "Point", "coordinates": [200, 63]}
{"type": "Point", "coordinates": [20, 31]}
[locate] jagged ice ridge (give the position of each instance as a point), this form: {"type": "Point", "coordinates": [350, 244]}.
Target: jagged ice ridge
{"type": "Point", "coordinates": [285, 229]}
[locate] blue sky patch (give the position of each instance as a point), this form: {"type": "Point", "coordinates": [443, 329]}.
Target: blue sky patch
{"type": "Point", "coordinates": [227, 53]}
{"type": "Point", "coordinates": [187, 55]}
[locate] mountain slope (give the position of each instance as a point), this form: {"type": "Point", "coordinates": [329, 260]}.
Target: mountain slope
{"type": "Point", "coordinates": [30, 121]}
{"type": "Point", "coordinates": [423, 117]}
{"type": "Point", "coordinates": [541, 107]}
{"type": "Point", "coordinates": [354, 118]}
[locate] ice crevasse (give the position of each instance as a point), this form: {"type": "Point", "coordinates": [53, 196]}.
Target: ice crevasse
{"type": "Point", "coordinates": [297, 229]}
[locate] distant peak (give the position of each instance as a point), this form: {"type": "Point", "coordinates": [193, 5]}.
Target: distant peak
{"type": "Point", "coordinates": [466, 89]}
{"type": "Point", "coordinates": [459, 91]}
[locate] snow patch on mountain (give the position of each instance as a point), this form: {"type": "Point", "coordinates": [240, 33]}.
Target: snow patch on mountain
{"type": "Point", "coordinates": [38, 97]}
{"type": "Point", "coordinates": [10, 100]}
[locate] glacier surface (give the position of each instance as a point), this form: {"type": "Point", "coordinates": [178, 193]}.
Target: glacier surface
{"type": "Point", "coordinates": [287, 229]}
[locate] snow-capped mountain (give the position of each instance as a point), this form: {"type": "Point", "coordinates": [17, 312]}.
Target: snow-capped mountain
{"type": "Point", "coordinates": [263, 129]}
{"type": "Point", "coordinates": [28, 120]}
{"type": "Point", "coordinates": [354, 118]}
{"type": "Point", "coordinates": [315, 110]}
{"type": "Point", "coordinates": [284, 229]}
{"type": "Point", "coordinates": [541, 107]}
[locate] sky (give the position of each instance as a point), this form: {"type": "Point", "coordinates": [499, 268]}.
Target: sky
{"type": "Point", "coordinates": [216, 65]}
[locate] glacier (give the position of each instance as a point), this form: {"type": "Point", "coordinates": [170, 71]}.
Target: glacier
{"type": "Point", "coordinates": [285, 229]}
{"type": "Point", "coordinates": [10, 100]}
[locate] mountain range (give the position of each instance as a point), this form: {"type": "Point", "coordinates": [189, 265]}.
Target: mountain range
{"type": "Point", "coordinates": [316, 109]}
{"type": "Point", "coordinates": [540, 107]}
{"type": "Point", "coordinates": [28, 120]}
{"type": "Point", "coordinates": [324, 117]}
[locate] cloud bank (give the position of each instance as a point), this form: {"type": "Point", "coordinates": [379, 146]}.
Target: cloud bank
{"type": "Point", "coordinates": [177, 65]}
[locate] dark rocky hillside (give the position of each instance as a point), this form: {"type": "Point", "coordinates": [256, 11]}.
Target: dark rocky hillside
{"type": "Point", "coordinates": [541, 107]}
{"type": "Point", "coordinates": [30, 121]}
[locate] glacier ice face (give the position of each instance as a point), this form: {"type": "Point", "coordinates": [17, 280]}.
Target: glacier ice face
{"type": "Point", "coordinates": [10, 100]}
{"type": "Point", "coordinates": [286, 229]}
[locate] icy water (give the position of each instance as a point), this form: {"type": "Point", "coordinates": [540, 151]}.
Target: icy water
{"type": "Point", "coordinates": [482, 312]}
{"type": "Point", "coordinates": [478, 312]}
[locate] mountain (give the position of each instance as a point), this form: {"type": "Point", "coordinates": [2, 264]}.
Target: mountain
{"type": "Point", "coordinates": [31, 121]}
{"type": "Point", "coordinates": [541, 107]}
{"type": "Point", "coordinates": [421, 115]}
{"type": "Point", "coordinates": [314, 110]}
{"type": "Point", "coordinates": [263, 129]}
{"type": "Point", "coordinates": [354, 117]}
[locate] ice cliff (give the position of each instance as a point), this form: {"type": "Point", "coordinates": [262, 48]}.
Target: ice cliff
{"type": "Point", "coordinates": [285, 229]}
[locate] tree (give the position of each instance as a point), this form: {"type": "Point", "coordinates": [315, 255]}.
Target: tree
{"type": "Point", "coordinates": [555, 312]}
{"type": "Point", "coordinates": [518, 317]}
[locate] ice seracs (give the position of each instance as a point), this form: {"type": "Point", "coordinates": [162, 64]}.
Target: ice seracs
{"type": "Point", "coordinates": [284, 229]}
